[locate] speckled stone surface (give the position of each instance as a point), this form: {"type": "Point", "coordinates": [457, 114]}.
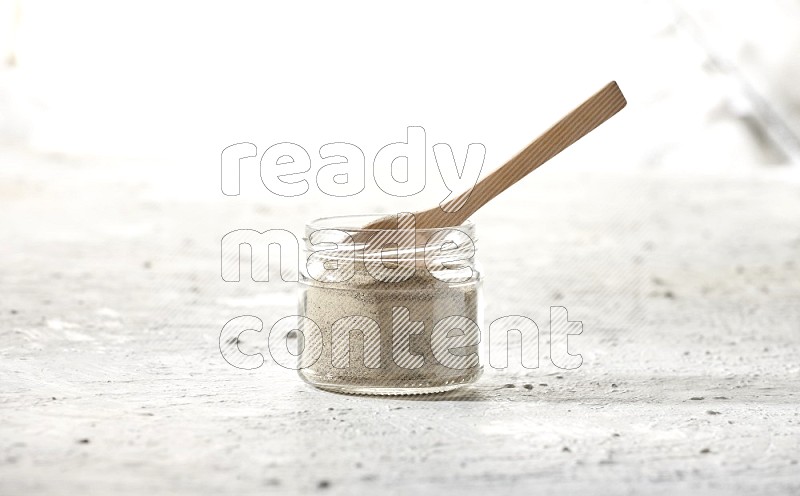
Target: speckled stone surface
{"type": "Point", "coordinates": [688, 287]}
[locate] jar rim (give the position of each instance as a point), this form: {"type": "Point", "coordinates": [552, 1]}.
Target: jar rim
{"type": "Point", "coordinates": [350, 223]}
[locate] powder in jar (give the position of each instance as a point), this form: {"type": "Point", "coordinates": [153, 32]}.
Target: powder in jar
{"type": "Point", "coordinates": [410, 336]}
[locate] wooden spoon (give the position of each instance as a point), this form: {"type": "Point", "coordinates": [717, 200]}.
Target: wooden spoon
{"type": "Point", "coordinates": [572, 127]}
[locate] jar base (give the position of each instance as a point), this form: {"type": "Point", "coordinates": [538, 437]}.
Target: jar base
{"type": "Point", "coordinates": [397, 388]}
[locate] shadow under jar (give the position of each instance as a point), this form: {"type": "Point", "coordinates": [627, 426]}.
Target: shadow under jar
{"type": "Point", "coordinates": [389, 312]}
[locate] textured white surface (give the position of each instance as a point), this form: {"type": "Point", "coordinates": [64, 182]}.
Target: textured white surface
{"type": "Point", "coordinates": [681, 258]}
{"type": "Point", "coordinates": [111, 380]}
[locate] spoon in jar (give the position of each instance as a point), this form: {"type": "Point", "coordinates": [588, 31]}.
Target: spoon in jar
{"type": "Point", "coordinates": [586, 117]}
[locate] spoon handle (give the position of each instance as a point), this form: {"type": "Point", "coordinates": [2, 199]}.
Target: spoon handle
{"type": "Point", "coordinates": [572, 127]}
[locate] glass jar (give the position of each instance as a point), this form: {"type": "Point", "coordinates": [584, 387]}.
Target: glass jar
{"type": "Point", "coordinates": [397, 311]}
